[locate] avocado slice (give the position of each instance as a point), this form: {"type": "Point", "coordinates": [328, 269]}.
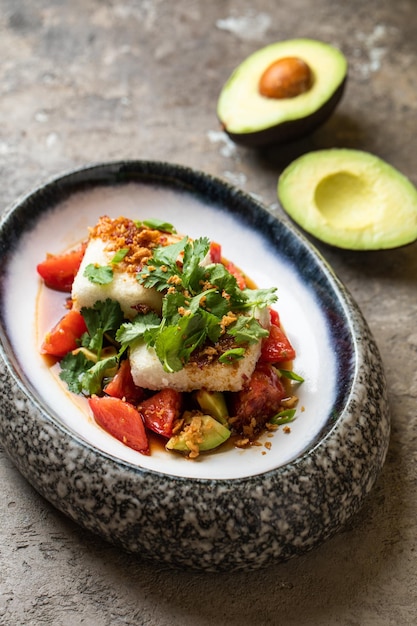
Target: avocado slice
{"type": "Point", "coordinates": [350, 199]}
{"type": "Point", "coordinates": [200, 433]}
{"type": "Point", "coordinates": [213, 403]}
{"type": "Point", "coordinates": [282, 92]}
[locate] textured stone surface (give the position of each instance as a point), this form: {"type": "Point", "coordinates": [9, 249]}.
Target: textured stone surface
{"type": "Point", "coordinates": [86, 81]}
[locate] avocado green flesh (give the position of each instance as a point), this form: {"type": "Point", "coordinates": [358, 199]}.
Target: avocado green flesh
{"type": "Point", "coordinates": [350, 199]}
{"type": "Point", "coordinates": [213, 434]}
{"type": "Point", "coordinates": [213, 403]}
{"type": "Point", "coordinates": [290, 130]}
{"type": "Point", "coordinates": [243, 110]}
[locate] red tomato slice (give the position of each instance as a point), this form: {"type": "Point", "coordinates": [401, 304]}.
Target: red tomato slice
{"type": "Point", "coordinates": [274, 315]}
{"type": "Point", "coordinates": [121, 420]}
{"type": "Point", "coordinates": [231, 267]}
{"type": "Point", "coordinates": [63, 337]}
{"type": "Point", "coordinates": [261, 397]}
{"type": "Point", "coordinates": [277, 347]}
{"type": "Point", "coordinates": [161, 410]}
{"type": "Point", "coordinates": [122, 385]}
{"type": "Point", "coordinates": [58, 271]}
{"type": "Point", "coordinates": [215, 252]}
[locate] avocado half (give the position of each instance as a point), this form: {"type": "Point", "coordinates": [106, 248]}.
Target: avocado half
{"type": "Point", "coordinates": [253, 119]}
{"type": "Point", "coordinates": [350, 199]}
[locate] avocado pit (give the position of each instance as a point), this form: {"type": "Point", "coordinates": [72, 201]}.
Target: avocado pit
{"type": "Point", "coordinates": [282, 92]}
{"type": "Point", "coordinates": [287, 77]}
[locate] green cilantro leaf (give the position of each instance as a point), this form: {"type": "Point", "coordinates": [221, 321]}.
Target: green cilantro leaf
{"type": "Point", "coordinates": [99, 274]}
{"type": "Point", "coordinates": [213, 328]}
{"type": "Point", "coordinates": [216, 304]}
{"type": "Point", "coordinates": [84, 376]}
{"type": "Point", "coordinates": [174, 344]}
{"type": "Point", "coordinates": [168, 255]}
{"type": "Point", "coordinates": [154, 277]}
{"type": "Point", "coordinates": [91, 381]}
{"type": "Point", "coordinates": [258, 298]}
{"type": "Point", "coordinates": [171, 304]}
{"type": "Point", "coordinates": [218, 276]}
{"type": "Point", "coordinates": [105, 317]}
{"type": "Point", "coordinates": [162, 267]}
{"type": "Point", "coordinates": [247, 330]}
{"type": "Point", "coordinates": [192, 270]}
{"type": "Point", "coordinates": [167, 346]}
{"type": "Point", "coordinates": [196, 301]}
{"type": "Point", "coordinates": [73, 367]}
{"type": "Point", "coordinates": [130, 332]}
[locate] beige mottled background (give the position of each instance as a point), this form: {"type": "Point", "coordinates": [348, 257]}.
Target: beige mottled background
{"type": "Point", "coordinates": [89, 80]}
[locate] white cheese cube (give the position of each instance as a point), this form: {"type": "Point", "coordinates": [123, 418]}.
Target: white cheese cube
{"type": "Point", "coordinates": [147, 370]}
{"type": "Point", "coordinates": [124, 287]}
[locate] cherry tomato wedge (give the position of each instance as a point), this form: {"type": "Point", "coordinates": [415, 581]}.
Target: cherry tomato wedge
{"type": "Point", "coordinates": [261, 396]}
{"type": "Point", "coordinates": [161, 410]}
{"type": "Point", "coordinates": [122, 385]}
{"type": "Point", "coordinates": [121, 420]}
{"type": "Point", "coordinates": [274, 315]}
{"type": "Point", "coordinates": [215, 252]}
{"type": "Point", "coordinates": [63, 337]}
{"type": "Point", "coordinates": [277, 347]}
{"type": "Point", "coordinates": [58, 271]}
{"type": "Point", "coordinates": [240, 279]}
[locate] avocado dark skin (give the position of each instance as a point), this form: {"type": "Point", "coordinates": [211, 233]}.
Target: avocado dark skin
{"type": "Point", "coordinates": [291, 130]}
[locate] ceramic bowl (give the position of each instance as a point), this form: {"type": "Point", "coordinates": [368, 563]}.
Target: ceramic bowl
{"type": "Point", "coordinates": [235, 509]}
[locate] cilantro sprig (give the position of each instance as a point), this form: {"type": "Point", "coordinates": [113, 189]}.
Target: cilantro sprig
{"type": "Point", "coordinates": [85, 375]}
{"type": "Point", "coordinates": [247, 330]}
{"type": "Point", "coordinates": [161, 272]}
{"type": "Point", "coordinates": [130, 333]}
{"type": "Point", "coordinates": [102, 320]}
{"type": "Point", "coordinates": [198, 296]}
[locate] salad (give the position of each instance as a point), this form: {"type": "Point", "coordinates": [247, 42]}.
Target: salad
{"type": "Point", "coordinates": [167, 340]}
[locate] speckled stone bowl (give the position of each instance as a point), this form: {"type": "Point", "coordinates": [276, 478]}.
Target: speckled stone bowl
{"type": "Point", "coordinates": [229, 512]}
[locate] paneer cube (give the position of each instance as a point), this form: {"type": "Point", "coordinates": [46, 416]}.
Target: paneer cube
{"type": "Point", "coordinates": [148, 372]}
{"type": "Point", "coordinates": [124, 287]}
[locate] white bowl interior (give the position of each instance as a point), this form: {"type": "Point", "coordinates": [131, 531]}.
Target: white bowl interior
{"type": "Point", "coordinates": [300, 312]}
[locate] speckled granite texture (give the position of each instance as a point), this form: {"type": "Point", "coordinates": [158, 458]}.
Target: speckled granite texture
{"type": "Point", "coordinates": [88, 81]}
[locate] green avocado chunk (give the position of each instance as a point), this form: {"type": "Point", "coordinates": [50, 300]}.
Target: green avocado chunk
{"type": "Point", "coordinates": [200, 433]}
{"type": "Point", "coordinates": [213, 403]}
{"type": "Point", "coordinates": [254, 117]}
{"type": "Point", "coordinates": [350, 199]}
